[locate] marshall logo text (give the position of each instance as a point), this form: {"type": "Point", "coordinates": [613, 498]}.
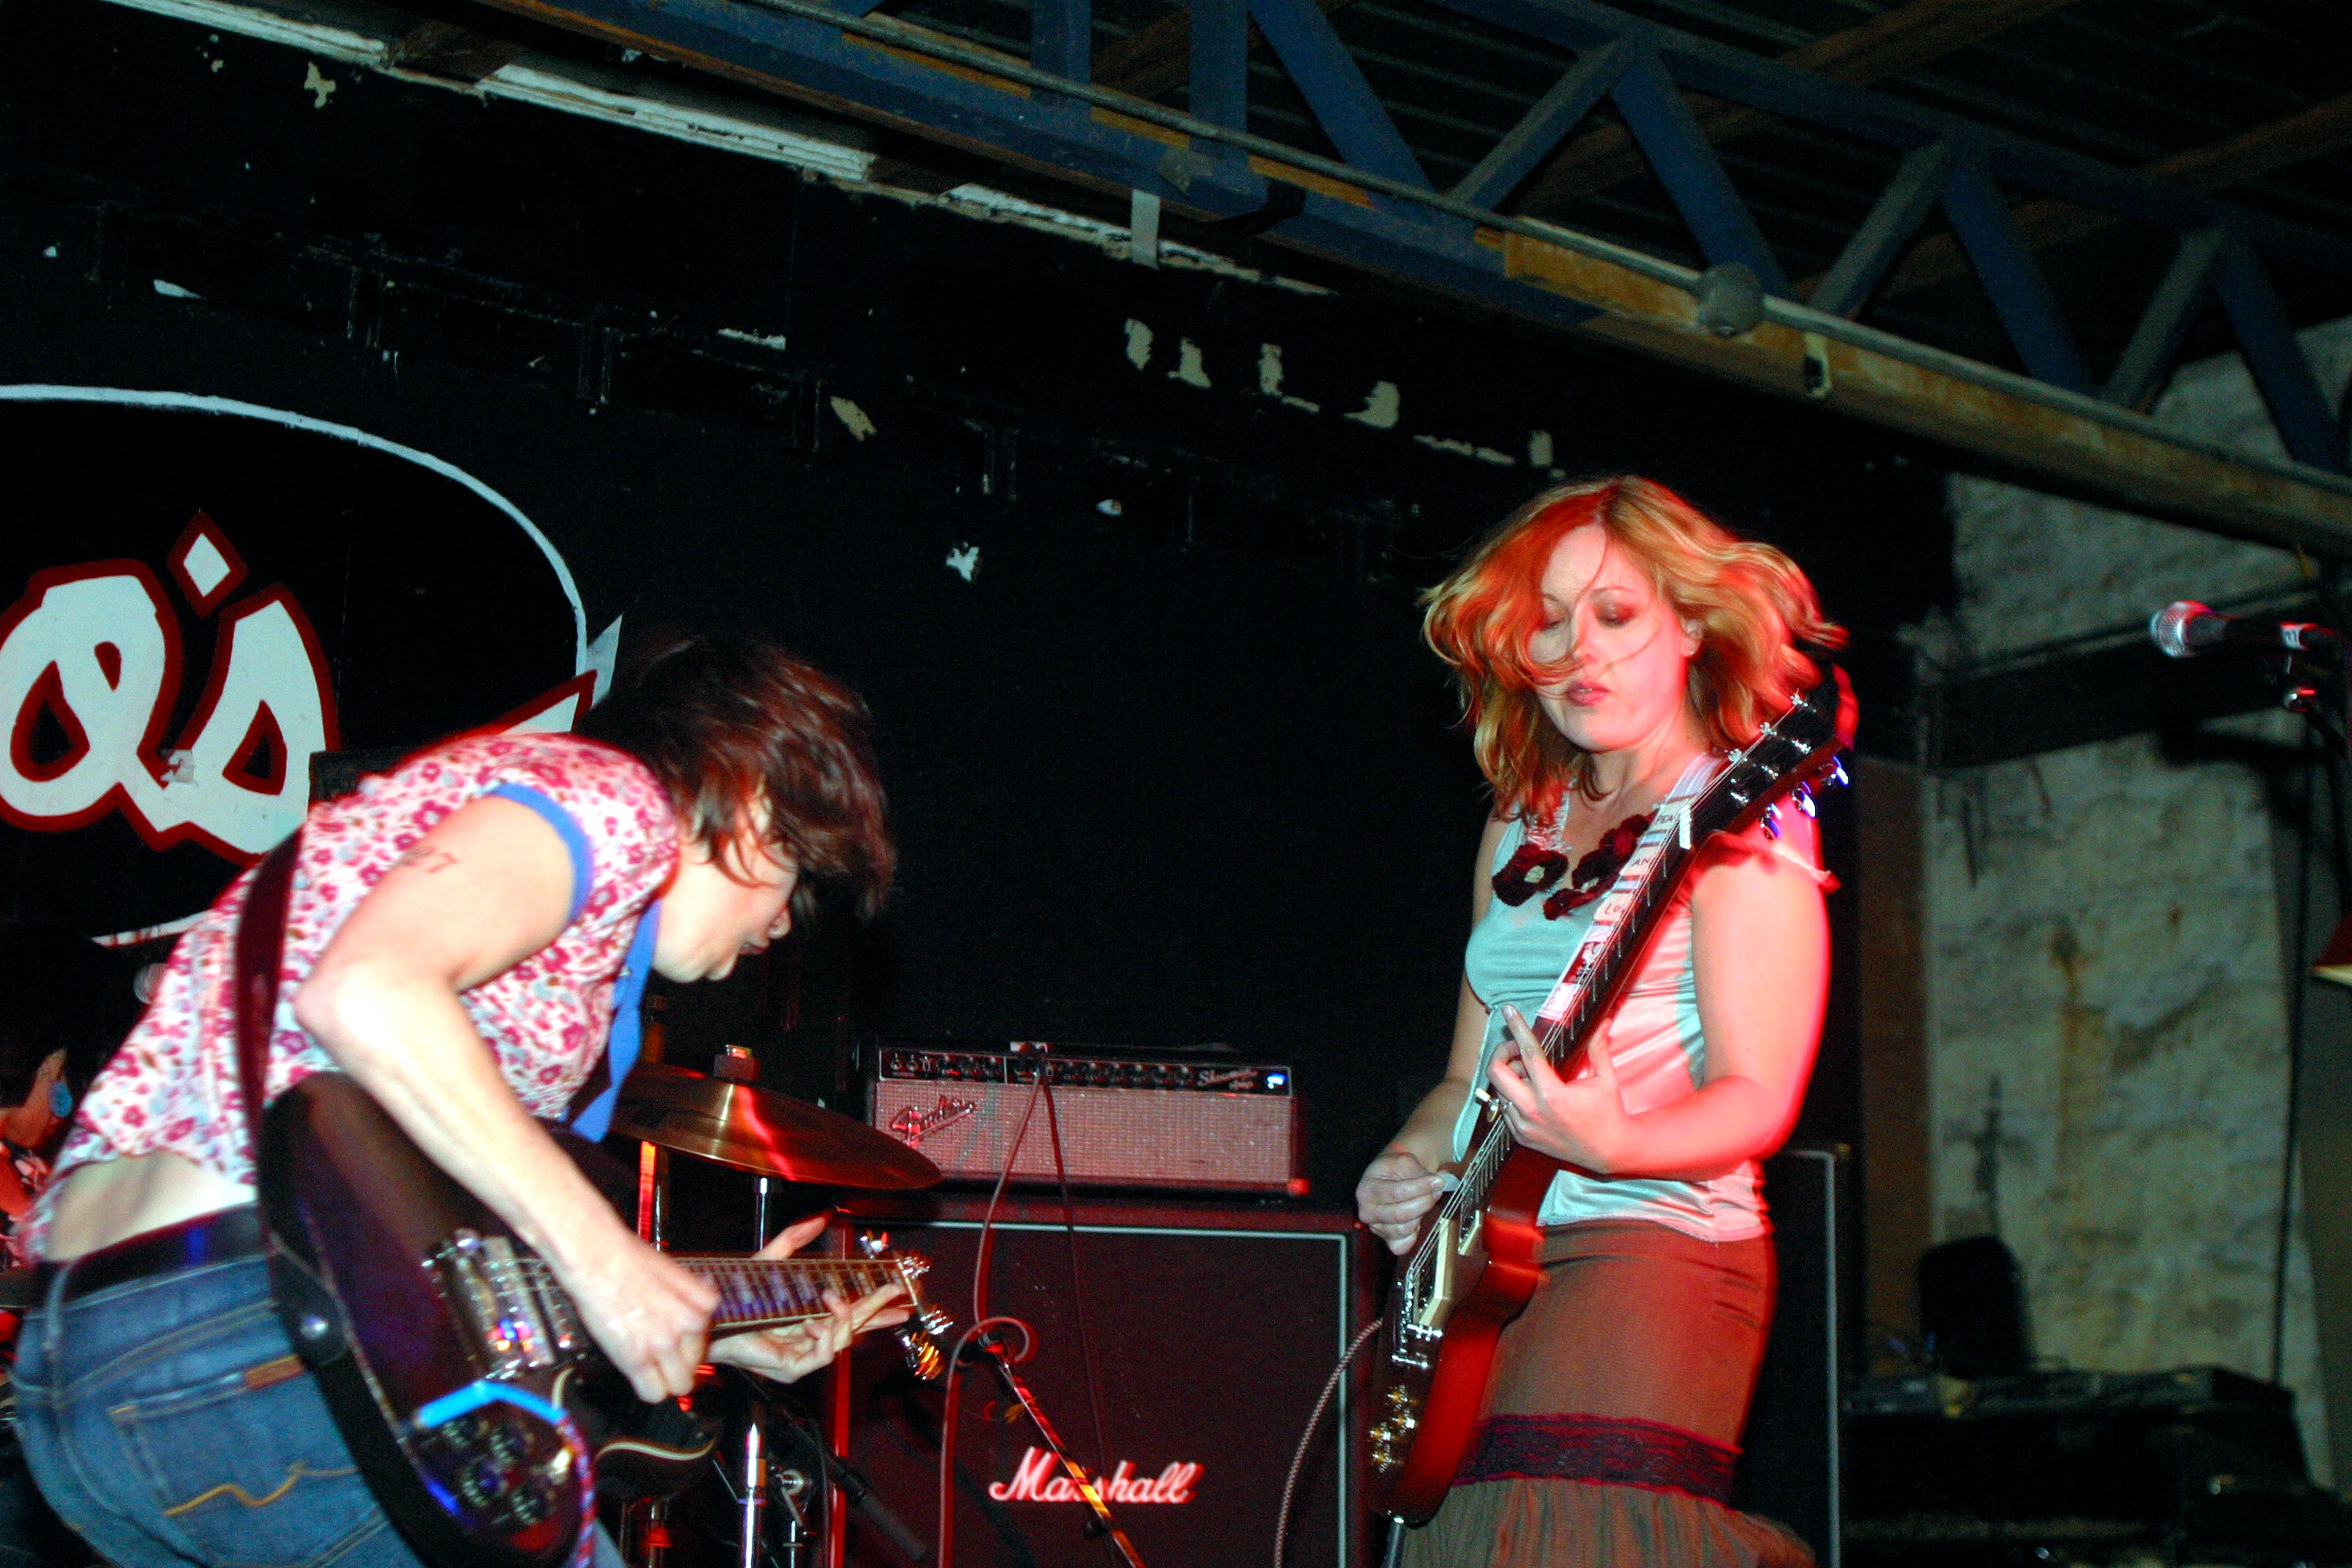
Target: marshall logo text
{"type": "Point", "coordinates": [1039, 1479]}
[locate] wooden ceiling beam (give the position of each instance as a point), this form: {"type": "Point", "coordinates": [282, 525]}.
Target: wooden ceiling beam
{"type": "Point", "coordinates": [2315, 132]}
{"type": "Point", "coordinates": [1887, 45]}
{"type": "Point", "coordinates": [1157, 58]}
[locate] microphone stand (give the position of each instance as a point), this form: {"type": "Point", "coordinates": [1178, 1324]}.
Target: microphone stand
{"type": "Point", "coordinates": [999, 1360]}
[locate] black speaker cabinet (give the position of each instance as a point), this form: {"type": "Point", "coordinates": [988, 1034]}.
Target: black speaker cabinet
{"type": "Point", "coordinates": [1788, 1463]}
{"type": "Point", "coordinates": [1210, 1331]}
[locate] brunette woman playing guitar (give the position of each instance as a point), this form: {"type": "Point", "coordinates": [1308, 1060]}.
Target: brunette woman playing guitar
{"type": "Point", "coordinates": [1613, 643]}
{"type": "Point", "coordinates": [461, 938]}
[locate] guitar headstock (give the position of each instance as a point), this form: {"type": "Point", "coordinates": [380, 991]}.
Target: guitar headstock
{"type": "Point", "coordinates": [1792, 755]}
{"type": "Point", "coordinates": [918, 1336]}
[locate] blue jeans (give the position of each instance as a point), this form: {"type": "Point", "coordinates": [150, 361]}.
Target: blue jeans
{"type": "Point", "coordinates": [167, 1420]}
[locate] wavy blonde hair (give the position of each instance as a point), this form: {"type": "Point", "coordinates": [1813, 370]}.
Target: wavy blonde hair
{"type": "Point", "coordinates": [1753, 606]}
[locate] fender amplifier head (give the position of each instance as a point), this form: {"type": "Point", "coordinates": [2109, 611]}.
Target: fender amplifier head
{"type": "Point", "coordinates": [1209, 1125]}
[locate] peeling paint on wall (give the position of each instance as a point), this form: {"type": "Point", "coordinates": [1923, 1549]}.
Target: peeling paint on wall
{"type": "Point", "coordinates": [1466, 450]}
{"type": "Point", "coordinates": [1189, 368]}
{"type": "Point", "coordinates": [1269, 379]}
{"type": "Point", "coordinates": [1139, 344]}
{"type": "Point", "coordinates": [321, 87]}
{"type": "Point", "coordinates": [1381, 408]}
{"type": "Point", "coordinates": [758, 340]}
{"type": "Point", "coordinates": [852, 418]}
{"type": "Point", "coordinates": [963, 560]}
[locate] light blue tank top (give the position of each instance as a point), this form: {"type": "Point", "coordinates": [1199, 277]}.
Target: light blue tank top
{"type": "Point", "coordinates": [1654, 1040]}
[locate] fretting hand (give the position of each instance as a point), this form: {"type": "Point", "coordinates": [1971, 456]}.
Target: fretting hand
{"type": "Point", "coordinates": [1397, 1189]}
{"type": "Point", "coordinates": [1581, 1119]}
{"type": "Point", "coordinates": [794, 1351]}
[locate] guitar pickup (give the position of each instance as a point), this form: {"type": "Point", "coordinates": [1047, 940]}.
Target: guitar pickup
{"type": "Point", "coordinates": [499, 1299]}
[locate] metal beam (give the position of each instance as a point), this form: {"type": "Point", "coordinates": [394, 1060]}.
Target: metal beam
{"type": "Point", "coordinates": [2011, 160]}
{"type": "Point", "coordinates": [1328, 78]}
{"type": "Point", "coordinates": [1061, 38]}
{"type": "Point", "coordinates": [1693, 177]}
{"type": "Point", "coordinates": [1901, 209]}
{"type": "Point", "coordinates": [2164, 326]}
{"type": "Point", "coordinates": [1887, 45]}
{"type": "Point", "coordinates": [879, 68]}
{"type": "Point", "coordinates": [2281, 373]}
{"type": "Point", "coordinates": [2072, 444]}
{"type": "Point", "coordinates": [1216, 32]}
{"type": "Point", "coordinates": [2315, 132]}
{"type": "Point", "coordinates": [886, 69]}
{"type": "Point", "coordinates": [2020, 295]}
{"type": "Point", "coordinates": [1154, 57]}
{"type": "Point", "coordinates": [1553, 116]}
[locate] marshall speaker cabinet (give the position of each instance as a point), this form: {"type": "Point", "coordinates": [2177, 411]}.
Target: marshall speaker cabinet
{"type": "Point", "coordinates": [1210, 1332]}
{"type": "Point", "coordinates": [1202, 1123]}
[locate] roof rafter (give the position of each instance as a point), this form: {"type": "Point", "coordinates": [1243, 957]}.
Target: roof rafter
{"type": "Point", "coordinates": [1887, 45]}
{"type": "Point", "coordinates": [2314, 132]}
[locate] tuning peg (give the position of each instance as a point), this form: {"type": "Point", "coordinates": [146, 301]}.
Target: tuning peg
{"type": "Point", "coordinates": [1837, 772]}
{"type": "Point", "coordinates": [1804, 798]}
{"type": "Point", "coordinates": [1771, 822]}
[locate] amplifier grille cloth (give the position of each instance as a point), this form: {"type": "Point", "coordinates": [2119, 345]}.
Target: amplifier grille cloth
{"type": "Point", "coordinates": [1123, 1136]}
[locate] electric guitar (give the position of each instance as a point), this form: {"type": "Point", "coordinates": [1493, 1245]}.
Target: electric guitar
{"type": "Point", "coordinates": [1475, 1264]}
{"type": "Point", "coordinates": [480, 1413]}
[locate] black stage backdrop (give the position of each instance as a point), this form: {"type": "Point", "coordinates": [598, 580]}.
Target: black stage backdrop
{"type": "Point", "coordinates": [1132, 596]}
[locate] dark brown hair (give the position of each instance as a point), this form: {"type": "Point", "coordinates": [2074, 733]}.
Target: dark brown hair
{"type": "Point", "coordinates": [726, 725]}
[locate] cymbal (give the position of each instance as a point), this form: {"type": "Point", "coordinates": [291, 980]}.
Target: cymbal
{"type": "Point", "coordinates": [759, 1130]}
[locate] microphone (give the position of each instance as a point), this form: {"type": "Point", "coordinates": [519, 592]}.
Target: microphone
{"type": "Point", "coordinates": [2187, 628]}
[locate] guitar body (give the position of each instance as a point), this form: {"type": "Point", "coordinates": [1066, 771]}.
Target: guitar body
{"type": "Point", "coordinates": [482, 1416]}
{"type": "Point", "coordinates": [1439, 1343]}
{"type": "Point", "coordinates": [504, 1480]}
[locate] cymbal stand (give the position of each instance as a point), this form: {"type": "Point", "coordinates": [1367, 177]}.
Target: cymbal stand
{"type": "Point", "coordinates": [1103, 1525]}
{"type": "Point", "coordinates": [755, 1487]}
{"type": "Point", "coordinates": [792, 1486]}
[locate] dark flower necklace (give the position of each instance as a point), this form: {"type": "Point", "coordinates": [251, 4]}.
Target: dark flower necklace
{"type": "Point", "coordinates": [1537, 866]}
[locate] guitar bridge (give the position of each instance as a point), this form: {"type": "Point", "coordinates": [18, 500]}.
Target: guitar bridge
{"type": "Point", "coordinates": [515, 1319]}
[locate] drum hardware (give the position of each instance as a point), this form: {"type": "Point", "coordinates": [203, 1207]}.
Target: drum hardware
{"type": "Point", "coordinates": [645, 1533]}
{"type": "Point", "coordinates": [755, 1486]}
{"type": "Point", "coordinates": [725, 1119]}
{"type": "Point", "coordinates": [791, 1486]}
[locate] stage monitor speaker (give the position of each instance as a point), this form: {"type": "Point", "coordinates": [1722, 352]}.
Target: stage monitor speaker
{"type": "Point", "coordinates": [1790, 1458]}
{"type": "Point", "coordinates": [1211, 1331]}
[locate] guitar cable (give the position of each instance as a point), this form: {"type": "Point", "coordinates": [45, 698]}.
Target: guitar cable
{"type": "Point", "coordinates": [1298, 1455]}
{"type": "Point", "coordinates": [953, 1399]}
{"type": "Point", "coordinates": [983, 1321]}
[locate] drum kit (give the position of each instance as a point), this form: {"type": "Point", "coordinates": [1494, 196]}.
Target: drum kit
{"type": "Point", "coordinates": [780, 1469]}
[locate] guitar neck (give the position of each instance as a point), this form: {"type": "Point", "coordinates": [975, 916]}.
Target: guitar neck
{"type": "Point", "coordinates": [1609, 970]}
{"type": "Point", "coordinates": [755, 1294]}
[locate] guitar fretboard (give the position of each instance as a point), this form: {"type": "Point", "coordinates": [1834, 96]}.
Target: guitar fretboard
{"type": "Point", "coordinates": [756, 1294]}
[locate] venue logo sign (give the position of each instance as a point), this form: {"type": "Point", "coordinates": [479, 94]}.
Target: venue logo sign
{"type": "Point", "coordinates": [91, 668]}
{"type": "Point", "coordinates": [199, 597]}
